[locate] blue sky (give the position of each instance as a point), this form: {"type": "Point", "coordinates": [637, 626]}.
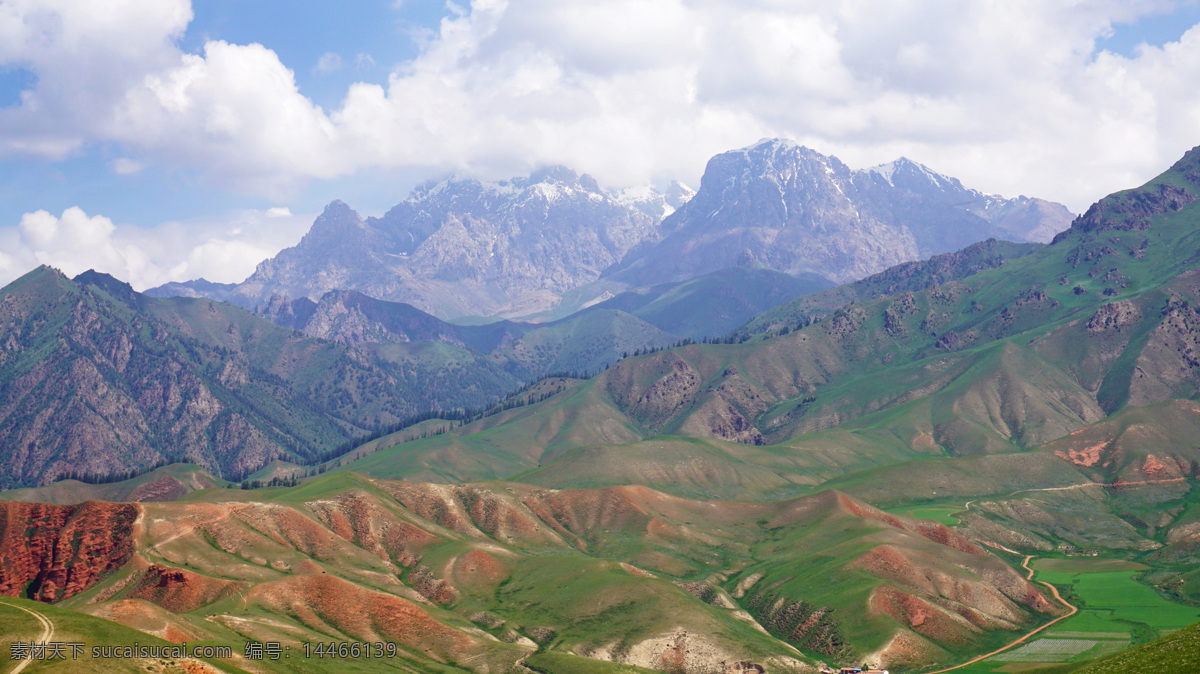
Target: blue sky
{"type": "Point", "coordinates": [369, 39]}
{"type": "Point", "coordinates": [167, 139]}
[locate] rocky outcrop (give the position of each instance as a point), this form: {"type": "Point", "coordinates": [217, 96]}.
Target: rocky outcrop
{"type": "Point", "coordinates": [1131, 210]}
{"type": "Point", "coordinates": [51, 552]}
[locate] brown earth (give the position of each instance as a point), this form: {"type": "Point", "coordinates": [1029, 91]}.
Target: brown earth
{"type": "Point", "coordinates": [335, 606]}
{"type": "Point", "coordinates": [180, 590]}
{"type": "Point", "coordinates": [149, 618]}
{"type": "Point", "coordinates": [360, 564]}
{"type": "Point", "coordinates": [922, 616]}
{"type": "Point", "coordinates": [50, 552]}
{"type": "Point", "coordinates": [477, 569]}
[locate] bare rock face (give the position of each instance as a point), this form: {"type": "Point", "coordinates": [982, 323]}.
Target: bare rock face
{"type": "Point", "coordinates": [516, 247]}
{"type": "Point", "coordinates": [51, 552]}
{"type": "Point", "coordinates": [461, 247]}
{"type": "Point", "coordinates": [792, 209]}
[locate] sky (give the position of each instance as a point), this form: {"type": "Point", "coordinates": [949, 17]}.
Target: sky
{"type": "Point", "coordinates": [165, 140]}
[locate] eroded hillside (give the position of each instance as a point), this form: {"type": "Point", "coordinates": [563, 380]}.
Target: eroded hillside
{"type": "Point", "coordinates": [481, 575]}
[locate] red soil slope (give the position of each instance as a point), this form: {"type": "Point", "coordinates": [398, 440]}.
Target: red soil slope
{"type": "Point", "coordinates": [50, 552]}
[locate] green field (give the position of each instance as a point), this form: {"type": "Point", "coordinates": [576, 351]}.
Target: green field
{"type": "Point", "coordinates": [941, 513]}
{"type": "Point", "coordinates": [1115, 611]}
{"type": "Point", "coordinates": [1112, 601]}
{"type": "Point", "coordinates": [1077, 565]}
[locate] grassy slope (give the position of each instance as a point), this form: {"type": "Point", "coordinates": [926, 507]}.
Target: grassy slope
{"type": "Point", "coordinates": [1177, 652]}
{"type": "Point", "coordinates": [165, 483]}
{"type": "Point", "coordinates": [74, 627]}
{"type": "Point", "coordinates": [998, 362]}
{"type": "Point", "coordinates": [713, 304]}
{"type": "Point", "coordinates": [523, 563]}
{"type": "Point", "coordinates": [910, 276]}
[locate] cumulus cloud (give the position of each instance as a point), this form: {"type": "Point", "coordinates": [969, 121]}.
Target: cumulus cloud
{"type": "Point", "coordinates": [1012, 97]}
{"type": "Point", "coordinates": [224, 250]}
{"type": "Point", "coordinates": [86, 55]}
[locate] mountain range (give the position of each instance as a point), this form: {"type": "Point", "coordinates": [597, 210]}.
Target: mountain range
{"type": "Point", "coordinates": [555, 242]}
{"type": "Point", "coordinates": [991, 449]}
{"type": "Point", "coordinates": [795, 210]}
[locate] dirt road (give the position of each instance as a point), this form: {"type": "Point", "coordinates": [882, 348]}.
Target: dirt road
{"type": "Point", "coordinates": [1057, 597]}
{"type": "Point", "coordinates": [1084, 485]}
{"type": "Point", "coordinates": [46, 635]}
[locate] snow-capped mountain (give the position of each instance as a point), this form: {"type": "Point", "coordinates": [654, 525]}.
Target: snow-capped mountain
{"type": "Point", "coordinates": [514, 248]}
{"type": "Point", "coordinates": [790, 208]}
{"type": "Point", "coordinates": [1018, 219]}
{"type": "Point", "coordinates": [461, 247]}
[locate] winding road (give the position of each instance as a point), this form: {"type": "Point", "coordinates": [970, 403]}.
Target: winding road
{"type": "Point", "coordinates": [1023, 639]}
{"type": "Point", "coordinates": [47, 632]}
{"type": "Point", "coordinates": [1025, 564]}
{"type": "Point", "coordinates": [1118, 483]}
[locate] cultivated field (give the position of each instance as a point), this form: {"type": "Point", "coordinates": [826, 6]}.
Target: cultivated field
{"type": "Point", "coordinates": [1115, 612]}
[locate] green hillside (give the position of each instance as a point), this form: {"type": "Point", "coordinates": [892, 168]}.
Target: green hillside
{"type": "Point", "coordinates": [1176, 652]}
{"type": "Point", "coordinates": [1006, 359]}
{"type": "Point", "coordinates": [907, 277]}
{"type": "Point", "coordinates": [715, 303]}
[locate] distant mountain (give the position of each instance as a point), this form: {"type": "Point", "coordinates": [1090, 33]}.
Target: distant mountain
{"type": "Point", "coordinates": [713, 304]}
{"type": "Point", "coordinates": [548, 245]}
{"type": "Point", "coordinates": [1019, 219]}
{"type": "Point", "coordinates": [222, 292]}
{"type": "Point", "coordinates": [96, 380]}
{"type": "Point", "coordinates": [705, 307]}
{"type": "Point", "coordinates": [795, 210]}
{"type": "Point", "coordinates": [585, 342]}
{"type": "Point", "coordinates": [926, 360]}
{"type": "Point", "coordinates": [462, 247]}
{"type": "Point", "coordinates": [350, 317]}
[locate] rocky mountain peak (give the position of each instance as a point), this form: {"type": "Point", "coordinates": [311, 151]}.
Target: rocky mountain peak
{"type": "Point", "coordinates": [773, 166]}
{"type": "Point", "coordinates": [557, 173]}
{"type": "Point", "coordinates": [110, 284]}
{"type": "Point", "coordinates": [678, 194]}
{"type": "Point", "coordinates": [460, 246]}
{"type": "Point", "coordinates": [1017, 219]}
{"type": "Point", "coordinates": [335, 223]}
{"type": "Point", "coordinates": [916, 177]}
{"type": "Point", "coordinates": [797, 211]}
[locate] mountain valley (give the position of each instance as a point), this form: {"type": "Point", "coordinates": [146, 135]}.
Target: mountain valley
{"type": "Point", "coordinates": [725, 464]}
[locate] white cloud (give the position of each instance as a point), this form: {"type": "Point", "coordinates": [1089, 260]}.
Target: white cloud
{"type": "Point", "coordinates": [329, 62]}
{"type": "Point", "coordinates": [220, 250]}
{"type": "Point", "coordinates": [1011, 97]}
{"type": "Point", "coordinates": [86, 55]}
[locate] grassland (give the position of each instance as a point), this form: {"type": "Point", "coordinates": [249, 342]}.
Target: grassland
{"type": "Point", "coordinates": [550, 662]}
{"type": "Point", "coordinates": [1115, 611]}
{"type": "Point", "coordinates": [941, 513]}
{"type": "Point", "coordinates": [1176, 652]}
{"type": "Point", "coordinates": [81, 628]}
